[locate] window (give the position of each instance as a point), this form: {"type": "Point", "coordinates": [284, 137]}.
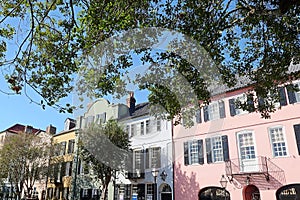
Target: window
{"type": "Point", "coordinates": [96, 193]}
{"type": "Point", "coordinates": [282, 99]}
{"type": "Point", "coordinates": [133, 130]}
{"type": "Point", "coordinates": [246, 145]}
{"type": "Point", "coordinates": [217, 149]}
{"type": "Point", "coordinates": [215, 110]}
{"type": "Point", "coordinates": [193, 152]}
{"type": "Point", "coordinates": [138, 159]}
{"type": "Point", "coordinates": [150, 191]}
{"type": "Point", "coordinates": [71, 146]}
{"type": "Point", "coordinates": [153, 157]}
{"type": "Point", "coordinates": [68, 169]}
{"type": "Point", "coordinates": [63, 148]}
{"type": "Point", "coordinates": [147, 126]}
{"type": "Point", "coordinates": [158, 125]}
{"type": "Point", "coordinates": [198, 116]}
{"type": "Point", "coordinates": [101, 118]}
{"type": "Point", "coordinates": [127, 192]}
{"type": "Point", "coordinates": [234, 102]}
{"type": "Point", "coordinates": [294, 95]}
{"type": "Point", "coordinates": [142, 128]}
{"type": "Point", "coordinates": [278, 142]}
{"type": "Point", "coordinates": [88, 121]}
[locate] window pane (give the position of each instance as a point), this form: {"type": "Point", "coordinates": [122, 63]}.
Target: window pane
{"type": "Point", "coordinates": [217, 149]}
{"type": "Point", "coordinates": [278, 142]}
{"type": "Point", "coordinates": [194, 152]}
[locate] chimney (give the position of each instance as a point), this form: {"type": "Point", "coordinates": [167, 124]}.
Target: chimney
{"type": "Point", "coordinates": [131, 103]}
{"type": "Point", "coordinates": [51, 129]}
{"type": "Point", "coordinates": [28, 129]}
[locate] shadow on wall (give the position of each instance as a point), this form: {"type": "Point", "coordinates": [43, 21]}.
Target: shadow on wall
{"type": "Point", "coordinates": [186, 186]}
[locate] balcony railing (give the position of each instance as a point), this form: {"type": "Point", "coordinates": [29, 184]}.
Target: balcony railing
{"type": "Point", "coordinates": [137, 174]}
{"type": "Point", "coordinates": [239, 166]}
{"type": "Point", "coordinates": [260, 171]}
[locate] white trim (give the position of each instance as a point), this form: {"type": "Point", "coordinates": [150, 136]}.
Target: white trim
{"type": "Point", "coordinates": [284, 139]}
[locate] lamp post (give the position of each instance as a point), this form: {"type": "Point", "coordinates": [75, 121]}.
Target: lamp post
{"type": "Point", "coordinates": [223, 183]}
{"type": "Point", "coordinates": [155, 174]}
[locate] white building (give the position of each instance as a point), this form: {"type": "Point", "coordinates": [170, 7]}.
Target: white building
{"type": "Point", "coordinates": [151, 144]}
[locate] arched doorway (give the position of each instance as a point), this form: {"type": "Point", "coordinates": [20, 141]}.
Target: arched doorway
{"type": "Point", "coordinates": [251, 192]}
{"type": "Point", "coordinates": [213, 193]}
{"type": "Point", "coordinates": [287, 192]}
{"type": "Point", "coordinates": [165, 192]}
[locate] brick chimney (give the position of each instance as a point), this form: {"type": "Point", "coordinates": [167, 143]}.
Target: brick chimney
{"type": "Point", "coordinates": [131, 103]}
{"type": "Point", "coordinates": [51, 129]}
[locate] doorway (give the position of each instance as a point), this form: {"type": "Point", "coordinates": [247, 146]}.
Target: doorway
{"type": "Point", "coordinates": [165, 192]}
{"type": "Point", "coordinates": [251, 192]}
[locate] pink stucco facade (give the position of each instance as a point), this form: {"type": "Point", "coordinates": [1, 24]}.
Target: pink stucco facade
{"type": "Point", "coordinates": [262, 153]}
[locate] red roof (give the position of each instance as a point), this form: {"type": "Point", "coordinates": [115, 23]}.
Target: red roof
{"type": "Point", "coordinates": [18, 128]}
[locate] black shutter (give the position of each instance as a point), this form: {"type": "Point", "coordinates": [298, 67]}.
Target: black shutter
{"type": "Point", "coordinates": [158, 164]}
{"type": "Point", "coordinates": [282, 96]}
{"type": "Point", "coordinates": [250, 103]}
{"type": "Point", "coordinates": [198, 116]}
{"type": "Point", "coordinates": [297, 134]}
{"type": "Point", "coordinates": [222, 109]}
{"type": "Point", "coordinates": [225, 147]}
{"type": "Point", "coordinates": [206, 117]}
{"type": "Point", "coordinates": [232, 107]}
{"type": "Point", "coordinates": [261, 102]}
{"type": "Point", "coordinates": [208, 150]}
{"type": "Point", "coordinates": [147, 159]}
{"type": "Point", "coordinates": [291, 94]}
{"type": "Point", "coordinates": [200, 152]}
{"type": "Point", "coordinates": [186, 153]}
{"type": "Point", "coordinates": [142, 156]}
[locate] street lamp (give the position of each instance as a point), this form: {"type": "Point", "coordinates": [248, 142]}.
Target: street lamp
{"type": "Point", "coordinates": [223, 183]}
{"type": "Point", "coordinates": [164, 175]}
{"type": "Point", "coordinates": [155, 174]}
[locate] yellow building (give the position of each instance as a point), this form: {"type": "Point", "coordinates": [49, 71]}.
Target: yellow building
{"type": "Point", "coordinates": [61, 163]}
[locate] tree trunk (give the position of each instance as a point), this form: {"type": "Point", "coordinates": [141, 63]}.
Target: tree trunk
{"type": "Point", "coordinates": [104, 192]}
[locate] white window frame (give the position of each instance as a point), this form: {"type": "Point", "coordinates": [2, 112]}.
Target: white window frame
{"type": "Point", "coordinates": [154, 157]}
{"type": "Point", "coordinates": [158, 124]}
{"type": "Point", "coordinates": [193, 152]}
{"type": "Point", "coordinates": [213, 111]}
{"type": "Point", "coordinates": [135, 159]}
{"type": "Point", "coordinates": [217, 151]}
{"type": "Point", "coordinates": [149, 190]}
{"type": "Point", "coordinates": [242, 98]}
{"type": "Point", "coordinates": [253, 140]}
{"type": "Point", "coordinates": [278, 142]}
{"type": "Point", "coordinates": [133, 129]}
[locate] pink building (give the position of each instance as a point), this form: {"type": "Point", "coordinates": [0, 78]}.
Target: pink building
{"type": "Point", "coordinates": [258, 157]}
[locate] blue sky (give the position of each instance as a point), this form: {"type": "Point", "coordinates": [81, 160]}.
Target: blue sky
{"type": "Point", "coordinates": [19, 109]}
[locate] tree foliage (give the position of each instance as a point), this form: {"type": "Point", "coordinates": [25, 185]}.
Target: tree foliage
{"type": "Point", "coordinates": [104, 148]}
{"type": "Point", "coordinates": [254, 38]}
{"type": "Point", "coordinates": [24, 160]}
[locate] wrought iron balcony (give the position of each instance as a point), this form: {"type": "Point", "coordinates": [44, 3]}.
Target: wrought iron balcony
{"type": "Point", "coordinates": [260, 171]}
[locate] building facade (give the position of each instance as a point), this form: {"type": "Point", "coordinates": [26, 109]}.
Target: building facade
{"type": "Point", "coordinates": [98, 112]}
{"type": "Point", "coordinates": [256, 157]}
{"type": "Point", "coordinates": [151, 174]}
{"type": "Point", "coordinates": [39, 187]}
{"type": "Point", "coordinates": [60, 171]}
